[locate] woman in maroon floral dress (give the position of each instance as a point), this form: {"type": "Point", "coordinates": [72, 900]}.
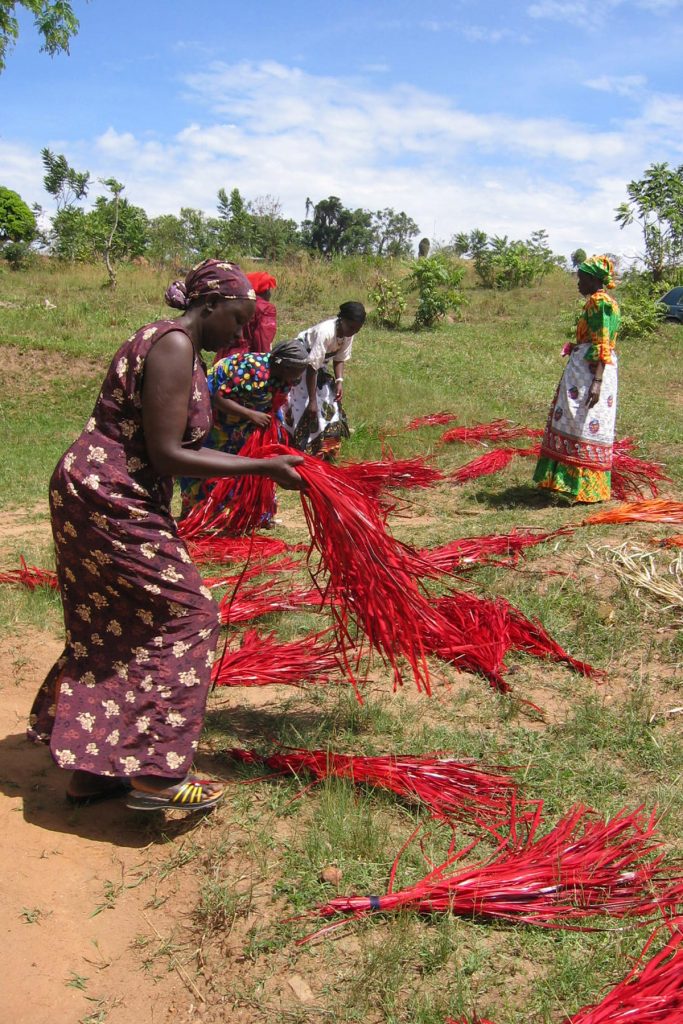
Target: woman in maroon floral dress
{"type": "Point", "coordinates": [124, 705]}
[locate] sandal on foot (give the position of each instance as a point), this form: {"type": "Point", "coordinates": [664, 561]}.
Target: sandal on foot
{"type": "Point", "coordinates": [191, 794]}
{"type": "Point", "coordinates": [97, 796]}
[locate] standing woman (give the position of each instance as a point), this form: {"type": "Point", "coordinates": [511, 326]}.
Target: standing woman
{"type": "Point", "coordinates": [246, 390]}
{"type": "Point", "coordinates": [315, 417]}
{"type": "Point", "coordinates": [124, 705]}
{"type": "Point", "coordinates": [576, 451]}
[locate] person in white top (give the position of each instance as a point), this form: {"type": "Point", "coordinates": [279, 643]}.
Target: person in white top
{"type": "Point", "coordinates": [314, 417]}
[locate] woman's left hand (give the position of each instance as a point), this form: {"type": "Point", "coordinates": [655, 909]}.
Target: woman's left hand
{"type": "Point", "coordinates": [593, 393]}
{"type": "Point", "coordinates": [339, 391]}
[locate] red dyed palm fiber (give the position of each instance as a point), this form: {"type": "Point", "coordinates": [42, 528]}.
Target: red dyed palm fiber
{"type": "Point", "coordinates": [237, 505]}
{"type": "Point", "coordinates": [497, 430]}
{"type": "Point", "coordinates": [653, 995]}
{"type": "Point", "coordinates": [484, 465]}
{"type": "Point", "coordinates": [633, 477]}
{"type": "Point", "coordinates": [370, 573]}
{"type": "Point", "coordinates": [451, 790]}
{"type": "Point", "coordinates": [433, 419]}
{"type": "Point", "coordinates": [262, 660]}
{"type": "Point", "coordinates": [465, 1020]}
{"type": "Point", "coordinates": [252, 571]}
{"type": "Point", "coordinates": [252, 603]}
{"type": "Point", "coordinates": [482, 550]}
{"type": "Point", "coordinates": [372, 478]}
{"type": "Point", "coordinates": [237, 549]}
{"type": "Point", "coordinates": [493, 627]}
{"type": "Point", "coordinates": [582, 868]}
{"type": "Point", "coordinates": [30, 576]}
{"type": "Point", "coordinates": [655, 511]}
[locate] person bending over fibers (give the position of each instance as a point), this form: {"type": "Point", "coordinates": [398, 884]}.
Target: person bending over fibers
{"type": "Point", "coordinates": [123, 706]}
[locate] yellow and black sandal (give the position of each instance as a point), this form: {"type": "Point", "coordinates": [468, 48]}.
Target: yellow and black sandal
{"type": "Point", "coordinates": [191, 794]}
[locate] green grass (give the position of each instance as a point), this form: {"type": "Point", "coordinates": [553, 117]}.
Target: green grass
{"type": "Point", "coordinates": [257, 862]}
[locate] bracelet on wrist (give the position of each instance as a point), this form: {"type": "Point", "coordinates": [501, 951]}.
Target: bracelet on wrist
{"type": "Point", "coordinates": [338, 380]}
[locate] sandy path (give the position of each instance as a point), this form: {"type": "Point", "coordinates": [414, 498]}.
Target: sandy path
{"type": "Point", "coordinates": [58, 865]}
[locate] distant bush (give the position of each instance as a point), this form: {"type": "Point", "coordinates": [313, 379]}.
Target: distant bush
{"type": "Point", "coordinates": [641, 312]}
{"type": "Point", "coordinates": [437, 283]}
{"type": "Point", "coordinates": [19, 255]}
{"type": "Point", "coordinates": [504, 264]}
{"type": "Point", "coordinates": [578, 256]}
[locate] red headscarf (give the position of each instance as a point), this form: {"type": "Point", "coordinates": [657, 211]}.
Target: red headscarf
{"type": "Point", "coordinates": [261, 281]}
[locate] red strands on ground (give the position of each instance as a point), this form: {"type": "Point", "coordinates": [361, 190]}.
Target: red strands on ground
{"type": "Point", "coordinates": [633, 477]}
{"type": "Point", "coordinates": [675, 541]}
{"type": "Point", "coordinates": [451, 790]}
{"type": "Point", "coordinates": [528, 635]}
{"type": "Point", "coordinates": [256, 601]}
{"type": "Point", "coordinates": [433, 419]}
{"type": "Point", "coordinates": [655, 511]}
{"type": "Point", "coordinates": [252, 571]}
{"type": "Point", "coordinates": [497, 430]}
{"type": "Point", "coordinates": [464, 551]}
{"type": "Point", "coordinates": [263, 660]}
{"type": "Point", "coordinates": [471, 633]}
{"type": "Point", "coordinates": [653, 995]}
{"type": "Point", "coordinates": [584, 867]}
{"type": "Point", "coordinates": [30, 576]}
{"type": "Point", "coordinates": [216, 548]}
{"type": "Point", "coordinates": [485, 465]}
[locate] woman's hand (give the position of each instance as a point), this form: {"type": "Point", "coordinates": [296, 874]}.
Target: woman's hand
{"type": "Point", "coordinates": [339, 392]}
{"type": "Point", "coordinates": [259, 419]}
{"type": "Point", "coordinates": [281, 470]}
{"type": "Point", "coordinates": [312, 410]}
{"type": "Point", "coordinates": [594, 393]}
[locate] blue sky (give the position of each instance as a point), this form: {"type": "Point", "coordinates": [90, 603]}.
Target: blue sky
{"type": "Point", "coordinates": [506, 115]}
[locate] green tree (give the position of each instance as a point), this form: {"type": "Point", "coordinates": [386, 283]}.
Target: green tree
{"type": "Point", "coordinates": [273, 236]}
{"type": "Point", "coordinates": [116, 230]}
{"type": "Point", "coordinates": [578, 256]}
{"type": "Point", "coordinates": [17, 222]}
{"type": "Point", "coordinates": [61, 181]}
{"type": "Point", "coordinates": [236, 232]}
{"type": "Point", "coordinates": [335, 230]}
{"type": "Point", "coordinates": [501, 263]}
{"type": "Point", "coordinates": [54, 20]}
{"type": "Point", "coordinates": [394, 233]}
{"type": "Point", "coordinates": [167, 242]}
{"type": "Point", "coordinates": [656, 203]}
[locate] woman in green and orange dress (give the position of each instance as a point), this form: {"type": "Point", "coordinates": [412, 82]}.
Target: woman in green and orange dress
{"type": "Point", "coordinates": [576, 451]}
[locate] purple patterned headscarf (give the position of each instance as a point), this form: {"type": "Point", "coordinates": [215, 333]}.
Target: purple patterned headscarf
{"type": "Point", "coordinates": [211, 277]}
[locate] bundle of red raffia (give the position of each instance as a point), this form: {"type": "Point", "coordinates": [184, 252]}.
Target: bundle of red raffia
{"type": "Point", "coordinates": [30, 576]}
{"type": "Point", "coordinates": [370, 573]}
{"type": "Point", "coordinates": [485, 465]}
{"type": "Point", "coordinates": [434, 419]}
{"type": "Point", "coordinates": [465, 551]}
{"type": "Point", "coordinates": [213, 548]}
{"type": "Point", "coordinates": [633, 477]}
{"type": "Point", "coordinates": [497, 430]}
{"type": "Point", "coordinates": [653, 995]}
{"type": "Point", "coordinates": [372, 478]}
{"type": "Point", "coordinates": [244, 605]}
{"type": "Point", "coordinates": [262, 660]}
{"type": "Point", "coordinates": [639, 512]}
{"type": "Point", "coordinates": [582, 868]}
{"type": "Point", "coordinates": [238, 505]}
{"type": "Point", "coordinates": [451, 790]}
{"type": "Point", "coordinates": [493, 627]}
{"type": "Point", "coordinates": [251, 571]}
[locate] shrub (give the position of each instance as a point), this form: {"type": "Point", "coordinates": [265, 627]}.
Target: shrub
{"type": "Point", "coordinates": [389, 302]}
{"type": "Point", "coordinates": [437, 283]}
{"type": "Point", "coordinates": [19, 255]}
{"type": "Point", "coordinates": [504, 264]}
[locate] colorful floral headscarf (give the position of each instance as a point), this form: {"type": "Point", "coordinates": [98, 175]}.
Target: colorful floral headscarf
{"type": "Point", "coordinates": [211, 277]}
{"type": "Point", "coordinates": [601, 267]}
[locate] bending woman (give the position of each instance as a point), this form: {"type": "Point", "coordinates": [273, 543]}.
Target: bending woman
{"type": "Point", "coordinates": [246, 390]}
{"type": "Point", "coordinates": [576, 451]}
{"type": "Point", "coordinates": [315, 417]}
{"type": "Point", "coordinates": [124, 705]}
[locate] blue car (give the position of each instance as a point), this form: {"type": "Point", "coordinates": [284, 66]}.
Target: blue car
{"type": "Point", "coordinates": [673, 301]}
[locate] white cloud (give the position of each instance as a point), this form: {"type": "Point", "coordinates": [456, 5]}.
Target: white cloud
{"type": "Point", "coordinates": [622, 85]}
{"type": "Point", "coordinates": [271, 129]}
